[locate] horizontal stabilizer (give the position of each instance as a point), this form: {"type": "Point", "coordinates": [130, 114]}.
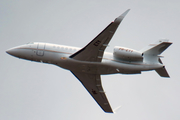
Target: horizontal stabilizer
{"type": "Point", "coordinates": [152, 52]}
{"type": "Point", "coordinates": [158, 49]}
{"type": "Point", "coordinates": [162, 72]}
{"type": "Point", "coordinates": [163, 44]}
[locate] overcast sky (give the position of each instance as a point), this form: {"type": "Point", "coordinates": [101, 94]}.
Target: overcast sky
{"type": "Point", "coordinates": [36, 91]}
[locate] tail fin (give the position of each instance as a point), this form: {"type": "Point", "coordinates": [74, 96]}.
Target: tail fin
{"type": "Point", "coordinates": [151, 54]}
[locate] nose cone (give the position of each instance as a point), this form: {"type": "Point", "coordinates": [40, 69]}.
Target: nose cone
{"type": "Point", "coordinates": [12, 51]}
{"type": "Point", "coordinates": [9, 51]}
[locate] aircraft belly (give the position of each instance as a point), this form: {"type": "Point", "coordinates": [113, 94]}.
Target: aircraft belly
{"type": "Point", "coordinates": [108, 67]}
{"type": "Point", "coordinates": [120, 68]}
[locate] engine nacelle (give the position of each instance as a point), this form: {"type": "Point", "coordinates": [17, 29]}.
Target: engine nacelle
{"type": "Point", "coordinates": [127, 54]}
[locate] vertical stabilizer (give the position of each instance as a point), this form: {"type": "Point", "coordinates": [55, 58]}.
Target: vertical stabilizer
{"type": "Point", "coordinates": [151, 55]}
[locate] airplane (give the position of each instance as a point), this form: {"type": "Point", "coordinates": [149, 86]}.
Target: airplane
{"type": "Point", "coordinates": [87, 64]}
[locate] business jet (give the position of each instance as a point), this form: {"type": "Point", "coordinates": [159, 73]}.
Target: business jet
{"type": "Point", "coordinates": [90, 62]}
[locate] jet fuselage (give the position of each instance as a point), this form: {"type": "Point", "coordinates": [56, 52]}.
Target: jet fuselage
{"type": "Point", "coordinates": [59, 55]}
{"type": "Point", "coordinates": [87, 64]}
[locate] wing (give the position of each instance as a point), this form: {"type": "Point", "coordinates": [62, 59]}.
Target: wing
{"type": "Point", "coordinates": [94, 51]}
{"type": "Point", "coordinates": [92, 83]}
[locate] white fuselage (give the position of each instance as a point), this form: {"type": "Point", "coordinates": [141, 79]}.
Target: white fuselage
{"type": "Point", "coordinates": [59, 55]}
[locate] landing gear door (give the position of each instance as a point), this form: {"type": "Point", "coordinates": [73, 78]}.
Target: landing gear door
{"type": "Point", "coordinates": [40, 49]}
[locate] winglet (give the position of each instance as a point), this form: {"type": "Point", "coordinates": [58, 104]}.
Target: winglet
{"type": "Point", "coordinates": [116, 109]}
{"type": "Point", "coordinates": [120, 18]}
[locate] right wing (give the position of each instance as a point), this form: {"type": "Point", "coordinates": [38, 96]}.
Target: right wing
{"type": "Point", "coordinates": [93, 52]}
{"type": "Point", "coordinates": [92, 83]}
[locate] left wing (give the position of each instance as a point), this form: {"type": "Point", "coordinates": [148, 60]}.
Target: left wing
{"type": "Point", "coordinates": [94, 51]}
{"type": "Point", "coordinates": [92, 83]}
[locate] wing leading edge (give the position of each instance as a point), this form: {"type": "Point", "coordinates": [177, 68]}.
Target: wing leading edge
{"type": "Point", "coordinates": [94, 51]}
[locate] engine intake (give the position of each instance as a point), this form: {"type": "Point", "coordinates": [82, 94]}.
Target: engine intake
{"type": "Point", "coordinates": [127, 54]}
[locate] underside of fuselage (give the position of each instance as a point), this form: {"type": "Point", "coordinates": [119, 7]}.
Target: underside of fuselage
{"type": "Point", "coordinates": [59, 55]}
{"type": "Point", "coordinates": [106, 66]}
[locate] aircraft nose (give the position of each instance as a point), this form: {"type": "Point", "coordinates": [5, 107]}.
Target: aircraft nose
{"type": "Point", "coordinates": [12, 51]}
{"type": "Point", "coordinates": [9, 51]}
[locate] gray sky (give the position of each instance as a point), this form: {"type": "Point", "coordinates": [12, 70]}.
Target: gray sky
{"type": "Point", "coordinates": [35, 91]}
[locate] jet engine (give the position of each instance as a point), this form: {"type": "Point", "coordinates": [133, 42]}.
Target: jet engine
{"type": "Point", "coordinates": [127, 54]}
